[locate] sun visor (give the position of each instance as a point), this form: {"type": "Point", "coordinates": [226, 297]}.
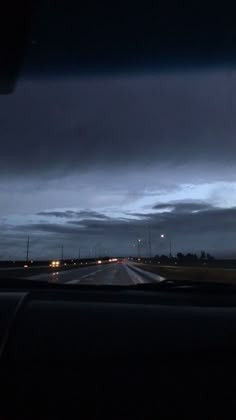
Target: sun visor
{"type": "Point", "coordinates": [15, 27]}
{"type": "Point", "coordinates": [53, 38]}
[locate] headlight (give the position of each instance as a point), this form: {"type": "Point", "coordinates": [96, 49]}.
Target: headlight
{"type": "Point", "coordinates": [55, 264]}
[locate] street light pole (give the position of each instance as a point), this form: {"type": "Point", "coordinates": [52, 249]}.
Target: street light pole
{"type": "Point", "coordinates": [139, 248]}
{"type": "Point", "coordinates": [150, 243]}
{"type": "Point", "coordinates": [170, 245]}
{"type": "Point", "coordinates": [62, 252]}
{"type": "Point", "coordinates": [27, 250]}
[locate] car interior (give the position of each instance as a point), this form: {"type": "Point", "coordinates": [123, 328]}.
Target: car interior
{"type": "Point", "coordinates": [108, 351]}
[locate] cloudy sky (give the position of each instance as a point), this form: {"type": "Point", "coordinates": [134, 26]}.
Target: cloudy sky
{"type": "Point", "coordinates": [95, 163]}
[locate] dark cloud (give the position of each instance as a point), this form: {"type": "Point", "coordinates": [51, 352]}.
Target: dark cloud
{"type": "Point", "coordinates": [184, 206]}
{"type": "Point", "coordinates": [79, 124]}
{"type": "Point", "coordinates": [209, 228]}
{"type": "Point", "coordinates": [107, 158]}
{"type": "Point", "coordinates": [68, 214]}
{"type": "Point", "coordinates": [51, 228]}
{"type": "Point", "coordinates": [186, 217]}
{"type": "Point", "coordinates": [61, 214]}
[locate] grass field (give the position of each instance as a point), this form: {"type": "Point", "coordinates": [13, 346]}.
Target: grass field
{"type": "Point", "coordinates": [201, 274]}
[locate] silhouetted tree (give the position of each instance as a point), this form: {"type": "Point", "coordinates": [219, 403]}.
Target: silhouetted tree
{"type": "Point", "coordinates": [180, 257]}
{"type": "Point", "coordinates": [191, 258]}
{"type": "Point", "coordinates": [164, 259]}
{"type": "Point", "coordinates": [203, 255]}
{"type": "Point", "coordinates": [209, 257]}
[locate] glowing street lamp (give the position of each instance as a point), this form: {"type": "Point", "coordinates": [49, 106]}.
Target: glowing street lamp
{"type": "Point", "coordinates": [139, 240]}
{"type": "Point", "coordinates": [170, 244]}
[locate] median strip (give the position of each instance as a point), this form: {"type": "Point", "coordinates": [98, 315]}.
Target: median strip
{"type": "Point", "coordinates": [135, 277]}
{"type": "Point", "coordinates": [146, 274]}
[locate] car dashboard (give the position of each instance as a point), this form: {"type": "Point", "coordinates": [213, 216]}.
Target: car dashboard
{"type": "Point", "coordinates": [117, 354]}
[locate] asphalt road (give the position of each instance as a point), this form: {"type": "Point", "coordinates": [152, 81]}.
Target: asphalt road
{"type": "Point", "coordinates": [109, 274]}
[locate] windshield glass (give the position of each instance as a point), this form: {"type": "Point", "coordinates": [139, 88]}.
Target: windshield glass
{"type": "Point", "coordinates": [120, 177]}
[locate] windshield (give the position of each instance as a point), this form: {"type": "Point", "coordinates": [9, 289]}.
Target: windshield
{"type": "Point", "coordinates": [119, 177]}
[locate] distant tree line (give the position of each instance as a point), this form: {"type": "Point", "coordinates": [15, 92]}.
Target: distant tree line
{"type": "Point", "coordinates": [194, 257]}
{"type": "Point", "coordinates": [186, 258]}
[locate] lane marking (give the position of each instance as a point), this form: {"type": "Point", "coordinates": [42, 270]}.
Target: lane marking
{"type": "Point", "coordinates": [85, 276]}
{"type": "Point", "coordinates": [90, 274]}
{"type": "Point", "coordinates": [50, 276]}
{"type": "Point", "coordinates": [72, 282]}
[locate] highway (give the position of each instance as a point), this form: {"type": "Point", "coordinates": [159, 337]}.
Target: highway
{"type": "Point", "coordinates": [107, 274]}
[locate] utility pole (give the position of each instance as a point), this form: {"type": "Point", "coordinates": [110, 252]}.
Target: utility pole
{"type": "Point", "coordinates": [79, 254]}
{"type": "Point", "coordinates": [62, 252]}
{"type": "Point", "coordinates": [170, 243]}
{"type": "Point", "coordinates": [138, 248]}
{"type": "Point", "coordinates": [150, 243]}
{"type": "Point", "coordinates": [27, 250]}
